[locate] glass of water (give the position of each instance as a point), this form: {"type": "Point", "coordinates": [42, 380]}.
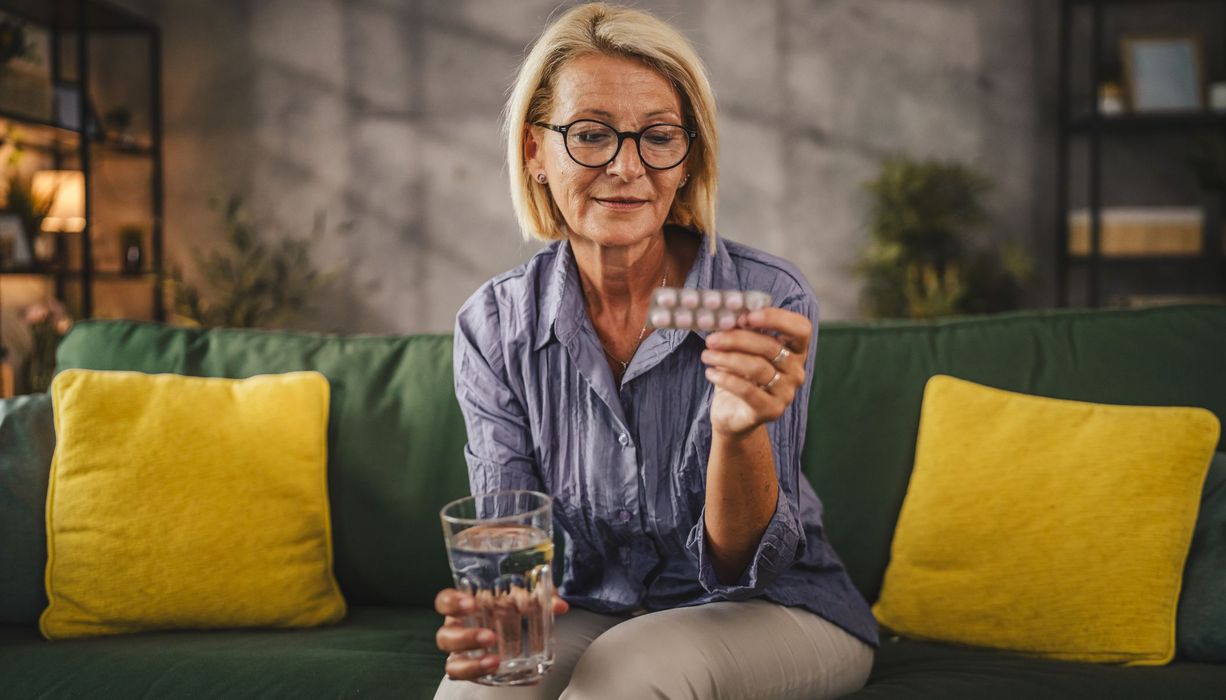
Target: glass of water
{"type": "Point", "coordinates": [500, 546]}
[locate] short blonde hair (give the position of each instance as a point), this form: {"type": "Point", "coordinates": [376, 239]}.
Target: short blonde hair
{"type": "Point", "coordinates": [598, 28]}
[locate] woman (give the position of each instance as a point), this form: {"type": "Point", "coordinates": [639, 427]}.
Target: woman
{"type": "Point", "coordinates": [696, 563]}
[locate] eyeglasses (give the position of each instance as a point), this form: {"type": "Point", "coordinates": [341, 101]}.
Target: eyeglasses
{"type": "Point", "coordinates": [594, 144]}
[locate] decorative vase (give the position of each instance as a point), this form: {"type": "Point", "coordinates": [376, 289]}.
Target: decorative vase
{"type": "Point", "coordinates": [132, 247]}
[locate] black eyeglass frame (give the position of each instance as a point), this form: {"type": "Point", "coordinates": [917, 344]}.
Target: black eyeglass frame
{"type": "Point", "coordinates": [621, 138]}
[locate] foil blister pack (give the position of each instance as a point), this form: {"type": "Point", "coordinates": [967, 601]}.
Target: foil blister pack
{"type": "Point", "coordinates": [703, 309]}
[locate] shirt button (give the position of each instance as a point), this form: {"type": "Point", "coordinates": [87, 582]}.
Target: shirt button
{"type": "Point", "coordinates": [624, 440]}
{"type": "Point", "coordinates": [623, 515]}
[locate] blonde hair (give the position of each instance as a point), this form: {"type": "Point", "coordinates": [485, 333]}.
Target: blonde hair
{"type": "Point", "coordinates": [598, 28]}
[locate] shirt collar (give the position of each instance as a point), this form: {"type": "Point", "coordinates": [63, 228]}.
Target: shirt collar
{"type": "Point", "coordinates": [562, 298]}
{"type": "Point", "coordinates": [560, 289]}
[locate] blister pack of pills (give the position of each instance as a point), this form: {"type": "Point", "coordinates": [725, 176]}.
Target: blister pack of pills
{"type": "Point", "coordinates": [703, 309]}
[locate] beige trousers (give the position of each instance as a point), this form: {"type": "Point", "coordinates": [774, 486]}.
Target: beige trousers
{"type": "Point", "coordinates": [719, 651]}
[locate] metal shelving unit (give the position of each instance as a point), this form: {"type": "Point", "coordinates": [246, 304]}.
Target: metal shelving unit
{"type": "Point", "coordinates": [1079, 120]}
{"type": "Point", "coordinates": [71, 25]}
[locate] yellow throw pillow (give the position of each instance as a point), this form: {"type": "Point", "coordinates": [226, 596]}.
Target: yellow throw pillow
{"type": "Point", "coordinates": [1048, 527]}
{"type": "Point", "coordinates": [185, 502]}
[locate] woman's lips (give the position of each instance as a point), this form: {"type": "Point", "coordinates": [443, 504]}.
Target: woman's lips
{"type": "Point", "coordinates": [621, 206]}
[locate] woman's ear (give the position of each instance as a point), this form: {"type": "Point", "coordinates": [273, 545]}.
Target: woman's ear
{"type": "Point", "coordinates": [532, 153]}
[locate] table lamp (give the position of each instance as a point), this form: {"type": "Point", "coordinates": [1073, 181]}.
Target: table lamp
{"type": "Point", "coordinates": [63, 193]}
{"type": "Point", "coordinates": [65, 190]}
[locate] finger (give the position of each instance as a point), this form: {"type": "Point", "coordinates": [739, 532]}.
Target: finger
{"type": "Point", "coordinates": [449, 601]}
{"type": "Point", "coordinates": [765, 405]}
{"type": "Point", "coordinates": [452, 638]}
{"type": "Point", "coordinates": [464, 669]}
{"type": "Point", "coordinates": [748, 342]}
{"type": "Point", "coordinates": [752, 367]}
{"type": "Point", "coordinates": [792, 327]}
{"type": "Point", "coordinates": [560, 607]}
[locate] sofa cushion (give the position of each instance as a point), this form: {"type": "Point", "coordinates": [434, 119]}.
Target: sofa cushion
{"type": "Point", "coordinates": [395, 442]}
{"type": "Point", "coordinates": [374, 653]}
{"type": "Point", "coordinates": [869, 380]}
{"type": "Point", "coordinates": [907, 669]}
{"type": "Point", "coordinates": [182, 502]}
{"type": "Point", "coordinates": [1053, 527]}
{"type": "Point", "coordinates": [27, 440]}
{"type": "Point", "coordinates": [1202, 603]}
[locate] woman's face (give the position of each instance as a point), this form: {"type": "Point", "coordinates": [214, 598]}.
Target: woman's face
{"type": "Point", "coordinates": [629, 97]}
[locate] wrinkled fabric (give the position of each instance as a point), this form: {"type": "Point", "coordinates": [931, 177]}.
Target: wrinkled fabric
{"type": "Point", "coordinates": [627, 465]}
{"type": "Point", "coordinates": [750, 649]}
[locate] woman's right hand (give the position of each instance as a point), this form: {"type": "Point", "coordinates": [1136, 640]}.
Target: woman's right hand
{"type": "Point", "coordinates": [455, 638]}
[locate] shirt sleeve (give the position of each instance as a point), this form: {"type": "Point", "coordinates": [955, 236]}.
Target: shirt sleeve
{"type": "Point", "coordinates": [500, 451]}
{"type": "Point", "coordinates": [783, 542]}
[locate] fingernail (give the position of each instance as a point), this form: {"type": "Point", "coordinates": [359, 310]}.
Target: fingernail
{"type": "Point", "coordinates": [466, 604]}
{"type": "Point", "coordinates": [757, 316]}
{"type": "Point", "coordinates": [706, 356]}
{"type": "Point", "coordinates": [710, 373]}
{"type": "Point", "coordinates": [485, 637]}
{"type": "Point", "coordinates": [489, 662]}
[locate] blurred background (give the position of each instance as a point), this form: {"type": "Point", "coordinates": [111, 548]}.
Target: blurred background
{"type": "Point", "coordinates": [336, 165]}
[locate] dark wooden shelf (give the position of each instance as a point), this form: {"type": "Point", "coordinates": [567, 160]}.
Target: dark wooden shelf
{"type": "Point", "coordinates": [115, 276]}
{"type": "Point", "coordinates": [99, 15]}
{"type": "Point", "coordinates": [27, 271]}
{"type": "Point", "coordinates": [1143, 260]}
{"type": "Point", "coordinates": [113, 148]}
{"type": "Point", "coordinates": [27, 120]}
{"type": "Point", "coordinates": [98, 275]}
{"type": "Point", "coordinates": [1128, 123]}
{"type": "Point", "coordinates": [62, 140]}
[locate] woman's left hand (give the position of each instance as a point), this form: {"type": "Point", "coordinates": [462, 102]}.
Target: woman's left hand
{"type": "Point", "coordinates": [756, 375]}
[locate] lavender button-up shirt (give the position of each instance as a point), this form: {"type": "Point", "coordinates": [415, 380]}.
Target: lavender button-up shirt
{"type": "Point", "coordinates": [627, 465]}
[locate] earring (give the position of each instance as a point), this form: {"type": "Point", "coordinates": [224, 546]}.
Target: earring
{"type": "Point", "coordinates": [685, 180]}
{"type": "Point", "coordinates": [540, 177]}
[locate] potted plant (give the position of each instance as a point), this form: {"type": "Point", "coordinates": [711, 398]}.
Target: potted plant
{"type": "Point", "coordinates": [247, 283]}
{"type": "Point", "coordinates": [46, 324]}
{"type": "Point", "coordinates": [928, 256]}
{"type": "Point", "coordinates": [31, 209]}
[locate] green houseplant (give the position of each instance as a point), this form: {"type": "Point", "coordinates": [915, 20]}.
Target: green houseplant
{"type": "Point", "coordinates": [46, 323]}
{"type": "Point", "coordinates": [247, 282]}
{"type": "Point", "coordinates": [32, 210]}
{"type": "Point", "coordinates": [928, 256]}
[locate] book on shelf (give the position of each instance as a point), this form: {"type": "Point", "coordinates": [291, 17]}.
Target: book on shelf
{"type": "Point", "coordinates": [1139, 231]}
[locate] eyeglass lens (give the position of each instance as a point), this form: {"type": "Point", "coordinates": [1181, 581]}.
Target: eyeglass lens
{"type": "Point", "coordinates": [594, 144]}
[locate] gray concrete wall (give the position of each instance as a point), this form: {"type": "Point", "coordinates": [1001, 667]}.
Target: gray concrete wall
{"type": "Point", "coordinates": [383, 115]}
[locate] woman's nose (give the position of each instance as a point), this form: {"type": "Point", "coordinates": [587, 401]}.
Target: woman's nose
{"type": "Point", "coordinates": [627, 164]}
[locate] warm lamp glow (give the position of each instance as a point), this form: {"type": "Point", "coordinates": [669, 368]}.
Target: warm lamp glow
{"type": "Point", "coordinates": [65, 189]}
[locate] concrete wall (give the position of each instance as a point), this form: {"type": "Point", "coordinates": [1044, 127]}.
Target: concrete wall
{"type": "Point", "coordinates": [382, 115]}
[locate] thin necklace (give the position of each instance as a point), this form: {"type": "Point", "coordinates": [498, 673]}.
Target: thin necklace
{"type": "Point", "coordinates": [625, 365]}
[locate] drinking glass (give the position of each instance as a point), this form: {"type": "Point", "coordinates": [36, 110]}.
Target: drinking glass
{"type": "Point", "coordinates": [500, 547]}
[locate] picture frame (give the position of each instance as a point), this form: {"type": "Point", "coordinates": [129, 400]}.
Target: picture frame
{"type": "Point", "coordinates": [14, 244]}
{"type": "Point", "coordinates": [1163, 72]}
{"type": "Point", "coordinates": [25, 70]}
{"type": "Point", "coordinates": [68, 109]}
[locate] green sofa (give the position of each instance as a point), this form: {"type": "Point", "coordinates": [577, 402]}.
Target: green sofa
{"type": "Point", "coordinates": [396, 439]}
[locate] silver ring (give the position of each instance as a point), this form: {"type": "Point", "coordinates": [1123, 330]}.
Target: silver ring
{"type": "Point", "coordinates": [767, 386]}
{"type": "Point", "coordinates": [784, 354]}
